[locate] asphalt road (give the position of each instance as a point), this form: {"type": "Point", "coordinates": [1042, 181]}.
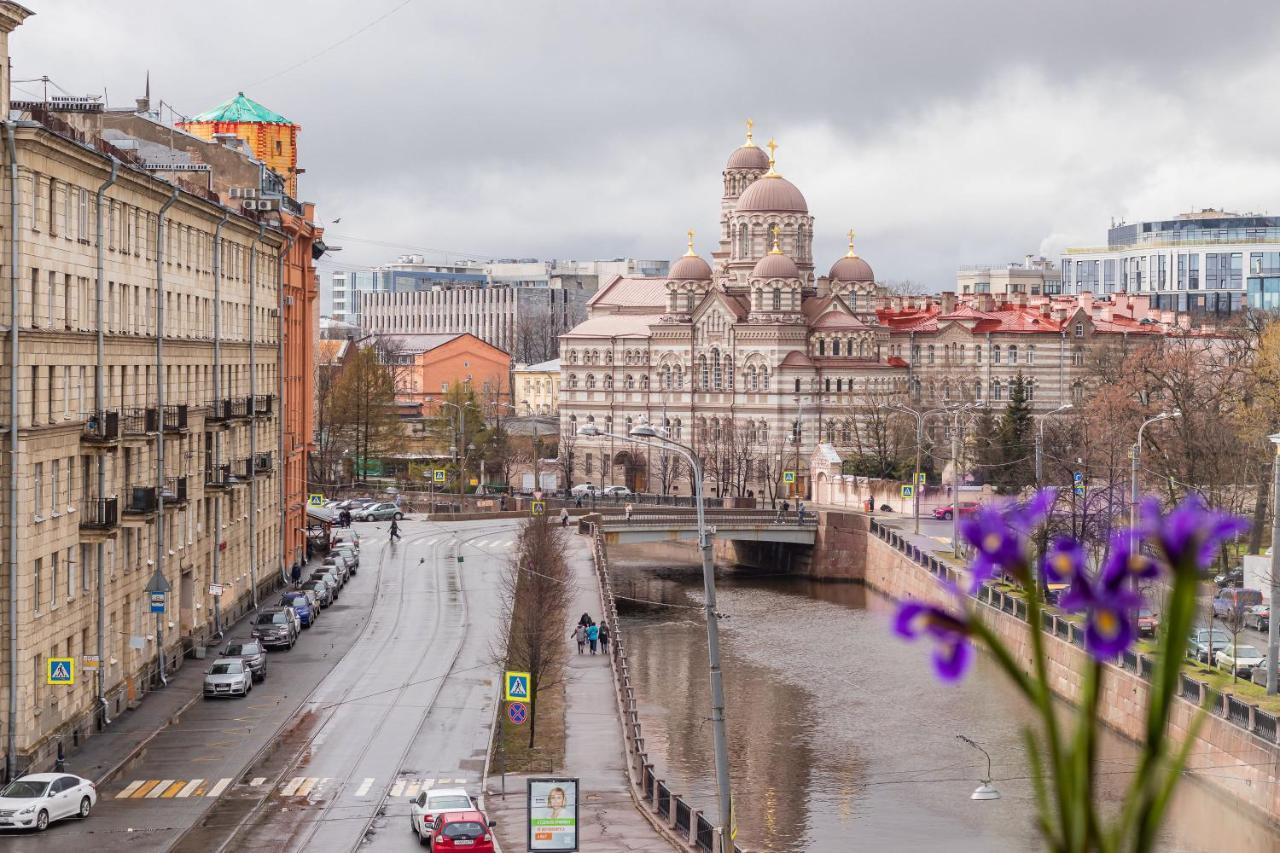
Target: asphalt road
{"type": "Point", "coordinates": [392, 689]}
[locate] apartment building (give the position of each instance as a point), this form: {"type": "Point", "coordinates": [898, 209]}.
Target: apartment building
{"type": "Point", "coordinates": [145, 362]}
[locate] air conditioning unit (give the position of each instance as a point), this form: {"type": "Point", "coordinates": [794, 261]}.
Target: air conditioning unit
{"type": "Point", "coordinates": [235, 192]}
{"type": "Point", "coordinates": [288, 301]}
{"type": "Point", "coordinates": [250, 204]}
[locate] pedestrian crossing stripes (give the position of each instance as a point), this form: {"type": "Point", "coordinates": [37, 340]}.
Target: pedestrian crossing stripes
{"type": "Point", "coordinates": [296, 786]}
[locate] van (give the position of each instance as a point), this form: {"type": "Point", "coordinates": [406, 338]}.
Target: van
{"type": "Point", "coordinates": [1231, 601]}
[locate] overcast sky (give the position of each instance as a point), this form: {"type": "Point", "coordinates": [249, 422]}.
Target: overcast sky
{"type": "Point", "coordinates": [946, 133]}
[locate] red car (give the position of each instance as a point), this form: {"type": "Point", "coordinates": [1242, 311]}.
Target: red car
{"type": "Point", "coordinates": [963, 508]}
{"type": "Point", "coordinates": [462, 831]}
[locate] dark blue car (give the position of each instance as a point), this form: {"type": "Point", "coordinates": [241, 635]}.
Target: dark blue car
{"type": "Point", "coordinates": [298, 601]}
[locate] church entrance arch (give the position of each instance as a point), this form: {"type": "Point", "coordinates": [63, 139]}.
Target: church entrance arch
{"type": "Point", "coordinates": [633, 469]}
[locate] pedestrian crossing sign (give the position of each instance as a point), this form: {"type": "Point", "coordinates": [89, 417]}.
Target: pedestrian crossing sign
{"type": "Point", "coordinates": [315, 501]}
{"type": "Point", "coordinates": [788, 476]}
{"type": "Point", "coordinates": [538, 508]}
{"type": "Point", "coordinates": [438, 475]}
{"type": "Point", "coordinates": [62, 671]}
{"type": "Point", "coordinates": [517, 684]}
{"type": "Point", "coordinates": [908, 491]}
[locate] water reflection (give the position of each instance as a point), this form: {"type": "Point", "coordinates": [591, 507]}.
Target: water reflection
{"type": "Point", "coordinates": [840, 738]}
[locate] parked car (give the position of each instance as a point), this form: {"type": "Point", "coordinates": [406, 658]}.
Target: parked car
{"type": "Point", "coordinates": [345, 536]}
{"type": "Point", "coordinates": [38, 799]}
{"type": "Point", "coordinates": [351, 552]}
{"type": "Point", "coordinates": [1237, 659]}
{"type": "Point", "coordinates": [1258, 617]}
{"type": "Point", "coordinates": [313, 599]}
{"type": "Point", "coordinates": [1148, 622]}
{"type": "Point", "coordinates": [430, 804]}
{"type": "Point", "coordinates": [1259, 674]}
{"type": "Point", "coordinates": [1233, 600]}
{"type": "Point", "coordinates": [378, 512]}
{"type": "Point", "coordinates": [227, 677]}
{"type": "Point", "coordinates": [462, 831]}
{"type": "Point", "coordinates": [330, 579]}
{"type": "Point", "coordinates": [584, 490]}
{"type": "Point", "coordinates": [321, 590]}
{"type": "Point", "coordinates": [300, 604]}
{"type": "Point", "coordinates": [962, 508]}
{"type": "Point", "coordinates": [618, 492]}
{"type": "Point", "coordinates": [254, 655]}
{"type": "Point", "coordinates": [274, 627]}
{"type": "Point", "coordinates": [1231, 577]}
{"type": "Point", "coordinates": [354, 504]}
{"type": "Point", "coordinates": [1202, 639]}
{"type": "Point", "coordinates": [339, 566]}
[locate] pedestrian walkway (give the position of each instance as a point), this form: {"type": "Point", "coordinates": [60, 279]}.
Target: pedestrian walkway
{"type": "Point", "coordinates": [609, 821]}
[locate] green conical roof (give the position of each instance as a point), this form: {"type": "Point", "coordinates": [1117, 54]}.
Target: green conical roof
{"type": "Point", "coordinates": [241, 109]}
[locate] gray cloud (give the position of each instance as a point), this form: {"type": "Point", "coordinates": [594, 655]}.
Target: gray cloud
{"type": "Point", "coordinates": [946, 133]}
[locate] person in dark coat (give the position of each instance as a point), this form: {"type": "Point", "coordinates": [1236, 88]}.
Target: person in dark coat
{"type": "Point", "coordinates": [604, 638]}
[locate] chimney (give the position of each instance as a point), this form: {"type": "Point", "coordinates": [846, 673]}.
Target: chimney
{"type": "Point", "coordinates": [1019, 300]}
{"type": "Point", "coordinates": [948, 301]}
{"type": "Point", "coordinates": [986, 302]}
{"type": "Point", "coordinates": [1028, 263]}
{"type": "Point", "coordinates": [11, 15]}
{"type": "Point", "coordinates": [1106, 314]}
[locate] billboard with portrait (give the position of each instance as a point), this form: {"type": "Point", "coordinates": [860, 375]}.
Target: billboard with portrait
{"type": "Point", "coordinates": [553, 815]}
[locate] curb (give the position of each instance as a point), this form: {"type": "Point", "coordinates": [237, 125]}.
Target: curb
{"type": "Point", "coordinates": [111, 771]}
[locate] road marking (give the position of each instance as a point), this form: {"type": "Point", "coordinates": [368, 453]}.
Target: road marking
{"type": "Point", "coordinates": [219, 788]}
{"type": "Point", "coordinates": [412, 789]}
{"type": "Point", "coordinates": [188, 788]}
{"type": "Point", "coordinates": [172, 790]}
{"type": "Point", "coordinates": [130, 789]}
{"type": "Point", "coordinates": [204, 786]}
{"type": "Point", "coordinates": [158, 789]}
{"type": "Point", "coordinates": [397, 788]}
{"type": "Point", "coordinates": [364, 787]}
{"type": "Point", "coordinates": [292, 786]}
{"type": "Point", "coordinates": [313, 783]}
{"type": "Point", "coordinates": [258, 780]}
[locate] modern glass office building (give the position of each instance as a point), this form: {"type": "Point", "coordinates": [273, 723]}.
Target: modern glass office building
{"type": "Point", "coordinates": [1208, 262]}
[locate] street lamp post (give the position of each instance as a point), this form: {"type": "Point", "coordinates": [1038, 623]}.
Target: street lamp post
{"type": "Point", "coordinates": [718, 728]}
{"type": "Point", "coordinates": [1040, 440]}
{"type": "Point", "coordinates": [1273, 627]}
{"type": "Point", "coordinates": [1134, 456]}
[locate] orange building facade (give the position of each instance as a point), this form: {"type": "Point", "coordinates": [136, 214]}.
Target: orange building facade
{"type": "Point", "coordinates": [431, 366]}
{"type": "Point", "coordinates": [272, 137]}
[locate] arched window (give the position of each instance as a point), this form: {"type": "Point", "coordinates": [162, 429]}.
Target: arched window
{"type": "Point", "coordinates": [995, 354]}
{"type": "Point", "coordinates": [1030, 390]}
{"type": "Point", "coordinates": [977, 353]}
{"type": "Point", "coordinates": [1012, 357]}
{"type": "Point", "coordinates": [679, 429]}
{"type": "Point", "coordinates": [728, 373]}
{"type": "Point", "coordinates": [977, 389]}
{"type": "Point", "coordinates": [666, 376]}
{"type": "Point", "coordinates": [846, 432]}
{"type": "Point", "coordinates": [744, 246]}
{"type": "Point", "coordinates": [764, 379]}
{"type": "Point", "coordinates": [644, 382]}
{"type": "Point", "coordinates": [797, 384]}
{"type": "Point", "coordinates": [777, 299]}
{"type": "Point", "coordinates": [1031, 353]}
{"type": "Point", "coordinates": [764, 432]}
{"type": "Point", "coordinates": [591, 381]}
{"type": "Point", "coordinates": [573, 380]}
{"type": "Point", "coordinates": [628, 424]}
{"type": "Point", "coordinates": [997, 390]}
{"type": "Point", "coordinates": [931, 349]}
{"type": "Point", "coordinates": [1077, 393]}
{"type": "Point", "coordinates": [703, 376]}
{"type": "Point", "coordinates": [753, 381]}
{"type": "Point", "coordinates": [839, 384]}
{"type": "Point", "coordinates": [827, 387]}
{"type": "Point", "coordinates": [608, 356]}
{"type": "Point", "coordinates": [822, 347]}
{"type": "Point", "coordinates": [629, 382]}
{"type": "Point", "coordinates": [608, 382]}
{"type": "Point", "coordinates": [797, 432]}
{"type": "Point", "coordinates": [717, 377]}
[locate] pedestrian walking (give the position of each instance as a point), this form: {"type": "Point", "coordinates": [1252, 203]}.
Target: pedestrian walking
{"type": "Point", "coordinates": [296, 574]}
{"type": "Point", "coordinates": [604, 638]}
{"type": "Point", "coordinates": [580, 634]}
{"type": "Point", "coordinates": [395, 531]}
{"type": "Point", "coordinates": [800, 512]}
{"type": "Point", "coordinates": [585, 620]}
{"type": "Point", "coordinates": [627, 511]}
{"type": "Point", "coordinates": [564, 516]}
{"type": "Point", "coordinates": [578, 502]}
{"type": "Point", "coordinates": [593, 636]}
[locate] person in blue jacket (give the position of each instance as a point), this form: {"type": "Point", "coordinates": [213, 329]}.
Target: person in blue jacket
{"type": "Point", "coordinates": [593, 636]}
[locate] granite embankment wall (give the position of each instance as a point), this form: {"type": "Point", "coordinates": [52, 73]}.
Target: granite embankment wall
{"type": "Point", "coordinates": [1236, 752]}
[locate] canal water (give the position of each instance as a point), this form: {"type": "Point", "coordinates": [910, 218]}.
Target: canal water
{"type": "Point", "coordinates": [840, 737]}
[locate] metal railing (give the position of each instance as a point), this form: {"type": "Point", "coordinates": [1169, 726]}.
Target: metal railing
{"type": "Point", "coordinates": [263, 404]}
{"type": "Point", "coordinates": [142, 499]}
{"type": "Point", "coordinates": [218, 476]}
{"type": "Point", "coordinates": [1232, 709]}
{"type": "Point", "coordinates": [175, 417]}
{"type": "Point", "coordinates": [262, 463]}
{"type": "Point", "coordinates": [175, 489]}
{"type": "Point", "coordinates": [102, 425]}
{"type": "Point", "coordinates": [141, 421]}
{"type": "Point", "coordinates": [99, 513]}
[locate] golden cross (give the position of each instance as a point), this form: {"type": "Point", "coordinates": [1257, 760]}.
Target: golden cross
{"type": "Point", "coordinates": [750, 124]}
{"type": "Point", "coordinates": [777, 250]}
{"type": "Point", "coordinates": [691, 241]}
{"type": "Point", "coordinates": [773, 147]}
{"type": "Point", "coordinates": [851, 242]}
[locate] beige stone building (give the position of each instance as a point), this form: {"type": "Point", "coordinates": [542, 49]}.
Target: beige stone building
{"type": "Point", "coordinates": [535, 388]}
{"type": "Point", "coordinates": [142, 337]}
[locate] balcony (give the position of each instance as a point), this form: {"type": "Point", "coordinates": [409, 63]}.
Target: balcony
{"type": "Point", "coordinates": [102, 426]}
{"type": "Point", "coordinates": [263, 404]}
{"type": "Point", "coordinates": [219, 411]}
{"type": "Point", "coordinates": [142, 500]}
{"type": "Point", "coordinates": [99, 513]}
{"type": "Point", "coordinates": [175, 490]}
{"type": "Point", "coordinates": [242, 469]}
{"type": "Point", "coordinates": [218, 477]}
{"type": "Point", "coordinates": [175, 418]}
{"type": "Point", "coordinates": [262, 463]}
{"type": "Point", "coordinates": [239, 407]}
{"type": "Point", "coordinates": [141, 421]}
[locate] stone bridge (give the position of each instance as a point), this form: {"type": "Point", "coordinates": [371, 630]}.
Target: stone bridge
{"type": "Point", "coordinates": [728, 525]}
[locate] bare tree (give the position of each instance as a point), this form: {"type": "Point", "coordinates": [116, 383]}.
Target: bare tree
{"type": "Point", "coordinates": [565, 456]}
{"type": "Point", "coordinates": [536, 591]}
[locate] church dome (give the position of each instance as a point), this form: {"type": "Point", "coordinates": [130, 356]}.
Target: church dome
{"type": "Point", "coordinates": [772, 193]}
{"type": "Point", "coordinates": [690, 268]}
{"type": "Point", "coordinates": [852, 268]}
{"type": "Point", "coordinates": [749, 156]}
{"type": "Point", "coordinates": [775, 265]}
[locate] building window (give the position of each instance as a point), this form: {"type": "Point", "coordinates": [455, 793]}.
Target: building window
{"type": "Point", "coordinates": [931, 353]}
{"type": "Point", "coordinates": [1077, 357]}
{"type": "Point", "coordinates": [1031, 353]}
{"type": "Point", "coordinates": [39, 489]}
{"type": "Point", "coordinates": [1077, 393]}
{"type": "Point", "coordinates": [37, 579]}
{"type": "Point", "coordinates": [717, 375]}
{"type": "Point", "coordinates": [797, 385]}
{"type": "Point", "coordinates": [587, 466]}
{"type": "Point", "coordinates": [591, 381]}
{"type": "Point", "coordinates": [1079, 330]}
{"type": "Point", "coordinates": [995, 354]}
{"type": "Point", "coordinates": [822, 347]}
{"type": "Point", "coordinates": [777, 299]}
{"type": "Point", "coordinates": [1012, 354]}
{"type": "Point", "coordinates": [997, 390]}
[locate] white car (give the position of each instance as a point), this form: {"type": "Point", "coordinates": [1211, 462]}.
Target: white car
{"type": "Point", "coordinates": [430, 804]}
{"type": "Point", "coordinates": [1240, 660]}
{"type": "Point", "coordinates": [583, 490]}
{"type": "Point", "coordinates": [37, 800]}
{"type": "Point", "coordinates": [618, 492]}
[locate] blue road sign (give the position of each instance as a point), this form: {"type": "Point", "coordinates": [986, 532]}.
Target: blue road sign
{"type": "Point", "coordinates": [157, 602]}
{"type": "Point", "coordinates": [61, 671]}
{"type": "Point", "coordinates": [517, 684]}
{"type": "Point", "coordinates": [1077, 477]}
{"type": "Point", "coordinates": [518, 712]}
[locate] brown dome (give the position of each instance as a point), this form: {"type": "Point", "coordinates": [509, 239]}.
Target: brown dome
{"type": "Point", "coordinates": [690, 268]}
{"type": "Point", "coordinates": [748, 157]}
{"type": "Point", "coordinates": [851, 268]}
{"type": "Point", "coordinates": [772, 193]}
{"type": "Point", "coordinates": [775, 266]}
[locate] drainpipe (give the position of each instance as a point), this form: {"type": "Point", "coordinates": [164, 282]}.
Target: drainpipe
{"type": "Point", "coordinates": [15, 308]}
{"type": "Point", "coordinates": [160, 440]}
{"type": "Point", "coordinates": [253, 421]}
{"type": "Point", "coordinates": [280, 411]}
{"type": "Point", "coordinates": [217, 401]}
{"type": "Point", "coordinates": [100, 403]}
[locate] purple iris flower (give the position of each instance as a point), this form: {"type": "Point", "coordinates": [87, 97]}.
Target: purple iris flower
{"type": "Point", "coordinates": [998, 535]}
{"type": "Point", "coordinates": [1030, 515]}
{"type": "Point", "coordinates": [1126, 559]}
{"type": "Point", "coordinates": [952, 653]}
{"type": "Point", "coordinates": [1108, 601]}
{"type": "Point", "coordinates": [1065, 560]}
{"type": "Point", "coordinates": [1190, 531]}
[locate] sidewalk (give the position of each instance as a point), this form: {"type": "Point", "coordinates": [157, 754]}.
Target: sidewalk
{"type": "Point", "coordinates": [609, 821]}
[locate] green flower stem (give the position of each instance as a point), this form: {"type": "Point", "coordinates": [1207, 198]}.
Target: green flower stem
{"type": "Point", "coordinates": [1043, 699]}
